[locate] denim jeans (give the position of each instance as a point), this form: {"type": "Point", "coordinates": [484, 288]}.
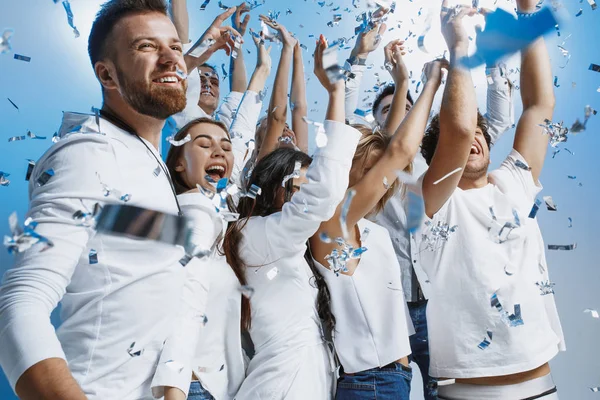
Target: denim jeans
{"type": "Point", "coordinates": [391, 382]}
{"type": "Point", "coordinates": [197, 392]}
{"type": "Point", "coordinates": [420, 347]}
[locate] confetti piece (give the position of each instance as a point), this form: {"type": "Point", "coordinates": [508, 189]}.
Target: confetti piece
{"type": "Point", "coordinates": [273, 272]}
{"type": "Point", "coordinates": [87, 218]}
{"type": "Point", "coordinates": [22, 58]}
{"type": "Point", "coordinates": [252, 192]}
{"type": "Point", "coordinates": [157, 170]}
{"type": "Point", "coordinates": [32, 135]}
{"type": "Point", "coordinates": [562, 246]}
{"type": "Point", "coordinates": [222, 6]}
{"type": "Point", "coordinates": [512, 320]}
{"type": "Point", "coordinates": [592, 312]}
{"type": "Point", "coordinates": [5, 45]}
{"type": "Point", "coordinates": [483, 345]}
{"type": "Point", "coordinates": [175, 366]}
{"type": "Point", "coordinates": [507, 272]}
{"type": "Point", "coordinates": [134, 353]}
{"type": "Point", "coordinates": [24, 238]}
{"type": "Point", "coordinates": [447, 382]}
{"type": "Point", "coordinates": [93, 256]}
{"type": "Point", "coordinates": [579, 12]}
{"type": "Point", "coordinates": [16, 138]}
{"type": "Point", "coordinates": [447, 175]}
{"type": "Point", "coordinates": [67, 7]}
{"type": "Point", "coordinates": [595, 389]}
{"type": "Point", "coordinates": [14, 105]}
{"type": "Point", "coordinates": [45, 177]}
{"type": "Point", "coordinates": [181, 142]}
{"type": "Point", "coordinates": [592, 4]}
{"type": "Point", "coordinates": [504, 35]}
{"type": "Point", "coordinates": [546, 287]}
{"type": "Point", "coordinates": [203, 6]}
{"type": "Point", "coordinates": [3, 178]}
{"type": "Point", "coordinates": [557, 132]}
{"type": "Point", "coordinates": [550, 205]}
{"type": "Point", "coordinates": [201, 48]}
{"type": "Point", "coordinates": [416, 211]}
{"type": "Point", "coordinates": [570, 222]}
{"type": "Point", "coordinates": [294, 174]}
{"type": "Point", "coordinates": [594, 67]}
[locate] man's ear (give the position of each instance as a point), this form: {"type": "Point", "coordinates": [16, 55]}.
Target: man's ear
{"type": "Point", "coordinates": [106, 73]}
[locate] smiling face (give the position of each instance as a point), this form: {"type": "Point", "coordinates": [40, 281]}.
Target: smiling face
{"type": "Point", "coordinates": [207, 154]}
{"type": "Point", "coordinates": [142, 67]}
{"type": "Point", "coordinates": [261, 131]}
{"type": "Point", "coordinates": [209, 89]}
{"type": "Point", "coordinates": [479, 157]}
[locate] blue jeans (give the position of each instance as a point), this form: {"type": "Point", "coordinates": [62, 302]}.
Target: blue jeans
{"type": "Point", "coordinates": [390, 382]}
{"type": "Point", "coordinates": [197, 392]}
{"type": "Point", "coordinates": [420, 347]}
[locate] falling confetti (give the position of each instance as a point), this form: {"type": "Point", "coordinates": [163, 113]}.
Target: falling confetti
{"type": "Point", "coordinates": [5, 45]}
{"type": "Point", "coordinates": [134, 353]}
{"type": "Point", "coordinates": [546, 287]}
{"type": "Point", "coordinates": [509, 319]}
{"type": "Point", "coordinates": [550, 205]}
{"type": "Point", "coordinates": [24, 238]}
{"type": "Point", "coordinates": [93, 256]}
{"type": "Point", "coordinates": [3, 178]}
{"type": "Point", "coordinates": [562, 246]}
{"type": "Point", "coordinates": [181, 142]}
{"type": "Point", "coordinates": [295, 174]}
{"type": "Point", "coordinates": [592, 312]}
{"type": "Point", "coordinates": [449, 174]}
{"type": "Point", "coordinates": [14, 105]}
{"type": "Point", "coordinates": [484, 343]}
{"type": "Point", "coordinates": [22, 58]}
{"type": "Point", "coordinates": [67, 7]}
{"type": "Point", "coordinates": [45, 177]}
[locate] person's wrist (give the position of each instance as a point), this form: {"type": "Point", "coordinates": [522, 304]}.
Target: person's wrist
{"type": "Point", "coordinates": [337, 89]}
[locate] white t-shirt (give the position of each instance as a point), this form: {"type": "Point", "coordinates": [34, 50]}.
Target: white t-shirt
{"type": "Point", "coordinates": [372, 323]}
{"type": "Point", "coordinates": [480, 259]}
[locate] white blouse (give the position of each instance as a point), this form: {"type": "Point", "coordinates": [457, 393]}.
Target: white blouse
{"type": "Point", "coordinates": [207, 338]}
{"type": "Point", "coordinates": [372, 323]}
{"type": "Point", "coordinates": [291, 360]}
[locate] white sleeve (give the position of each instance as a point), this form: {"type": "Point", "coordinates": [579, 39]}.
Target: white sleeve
{"type": "Point", "coordinates": [328, 175]}
{"type": "Point", "coordinates": [175, 365]}
{"type": "Point", "coordinates": [500, 113]}
{"type": "Point", "coordinates": [515, 179]}
{"type": "Point", "coordinates": [353, 91]}
{"type": "Point", "coordinates": [228, 108]}
{"type": "Point", "coordinates": [36, 283]}
{"type": "Point", "coordinates": [243, 130]}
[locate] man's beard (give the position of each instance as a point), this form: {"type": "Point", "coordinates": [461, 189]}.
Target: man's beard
{"type": "Point", "coordinates": [153, 101]}
{"type": "Point", "coordinates": [476, 172]}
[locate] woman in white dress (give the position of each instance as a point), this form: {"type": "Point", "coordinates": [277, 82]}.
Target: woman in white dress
{"type": "Point", "coordinates": [292, 361]}
{"type": "Point", "coordinates": [363, 275]}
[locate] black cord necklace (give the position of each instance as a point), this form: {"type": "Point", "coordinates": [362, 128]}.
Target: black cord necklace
{"type": "Point", "coordinates": [118, 122]}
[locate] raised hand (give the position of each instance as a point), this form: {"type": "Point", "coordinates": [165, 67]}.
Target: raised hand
{"type": "Point", "coordinates": [320, 71]}
{"type": "Point", "coordinates": [237, 22]}
{"type": "Point", "coordinates": [368, 41]}
{"type": "Point", "coordinates": [394, 62]}
{"type": "Point", "coordinates": [432, 71]}
{"type": "Point", "coordinates": [452, 25]}
{"type": "Point", "coordinates": [222, 35]}
{"type": "Point", "coordinates": [285, 36]}
{"type": "Point", "coordinates": [263, 59]}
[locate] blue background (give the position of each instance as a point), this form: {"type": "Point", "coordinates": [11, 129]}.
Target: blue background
{"type": "Point", "coordinates": [59, 78]}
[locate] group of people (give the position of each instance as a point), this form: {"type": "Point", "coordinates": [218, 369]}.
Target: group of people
{"type": "Point", "coordinates": [312, 279]}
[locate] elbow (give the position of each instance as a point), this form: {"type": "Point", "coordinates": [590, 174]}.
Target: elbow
{"type": "Point", "coordinates": [278, 115]}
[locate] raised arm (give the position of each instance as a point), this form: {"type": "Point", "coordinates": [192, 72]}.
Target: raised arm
{"type": "Point", "coordinates": [243, 127]}
{"type": "Point", "coordinates": [223, 37]}
{"type": "Point", "coordinates": [298, 99]}
{"type": "Point", "coordinates": [277, 111]}
{"type": "Point", "coordinates": [398, 155]}
{"type": "Point", "coordinates": [537, 94]}
{"type": "Point", "coordinates": [237, 67]}
{"type": "Point", "coordinates": [458, 116]}
{"type": "Point", "coordinates": [394, 63]}
{"type": "Point", "coordinates": [327, 180]}
{"type": "Point", "coordinates": [181, 19]}
{"type": "Point", "coordinates": [366, 43]}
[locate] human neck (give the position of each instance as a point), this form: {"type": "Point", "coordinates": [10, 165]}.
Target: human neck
{"type": "Point", "coordinates": [467, 183]}
{"type": "Point", "coordinates": [209, 110]}
{"type": "Point", "coordinates": [146, 127]}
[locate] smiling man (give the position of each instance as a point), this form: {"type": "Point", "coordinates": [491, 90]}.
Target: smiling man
{"type": "Point", "coordinates": [117, 294]}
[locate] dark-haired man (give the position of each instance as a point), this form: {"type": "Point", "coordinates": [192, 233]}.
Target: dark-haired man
{"type": "Point", "coordinates": [394, 216]}
{"type": "Point", "coordinates": [493, 325]}
{"type": "Point", "coordinates": [117, 294]}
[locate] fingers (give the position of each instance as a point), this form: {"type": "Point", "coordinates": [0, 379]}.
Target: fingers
{"type": "Point", "coordinates": [222, 17]}
{"type": "Point", "coordinates": [246, 20]}
{"type": "Point", "coordinates": [231, 32]}
{"type": "Point", "coordinates": [382, 29]}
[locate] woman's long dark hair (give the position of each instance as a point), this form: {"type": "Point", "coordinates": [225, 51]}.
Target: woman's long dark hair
{"type": "Point", "coordinates": [268, 174]}
{"type": "Point", "coordinates": [175, 153]}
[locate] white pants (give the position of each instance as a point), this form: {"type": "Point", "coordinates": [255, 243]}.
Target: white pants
{"type": "Point", "coordinates": [530, 390]}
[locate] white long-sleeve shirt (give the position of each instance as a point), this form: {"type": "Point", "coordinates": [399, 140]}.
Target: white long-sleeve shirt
{"type": "Point", "coordinates": [116, 313]}
{"type": "Point", "coordinates": [291, 361]}
{"type": "Point", "coordinates": [209, 320]}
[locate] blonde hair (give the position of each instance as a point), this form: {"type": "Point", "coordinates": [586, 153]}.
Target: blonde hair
{"type": "Point", "coordinates": [375, 140]}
